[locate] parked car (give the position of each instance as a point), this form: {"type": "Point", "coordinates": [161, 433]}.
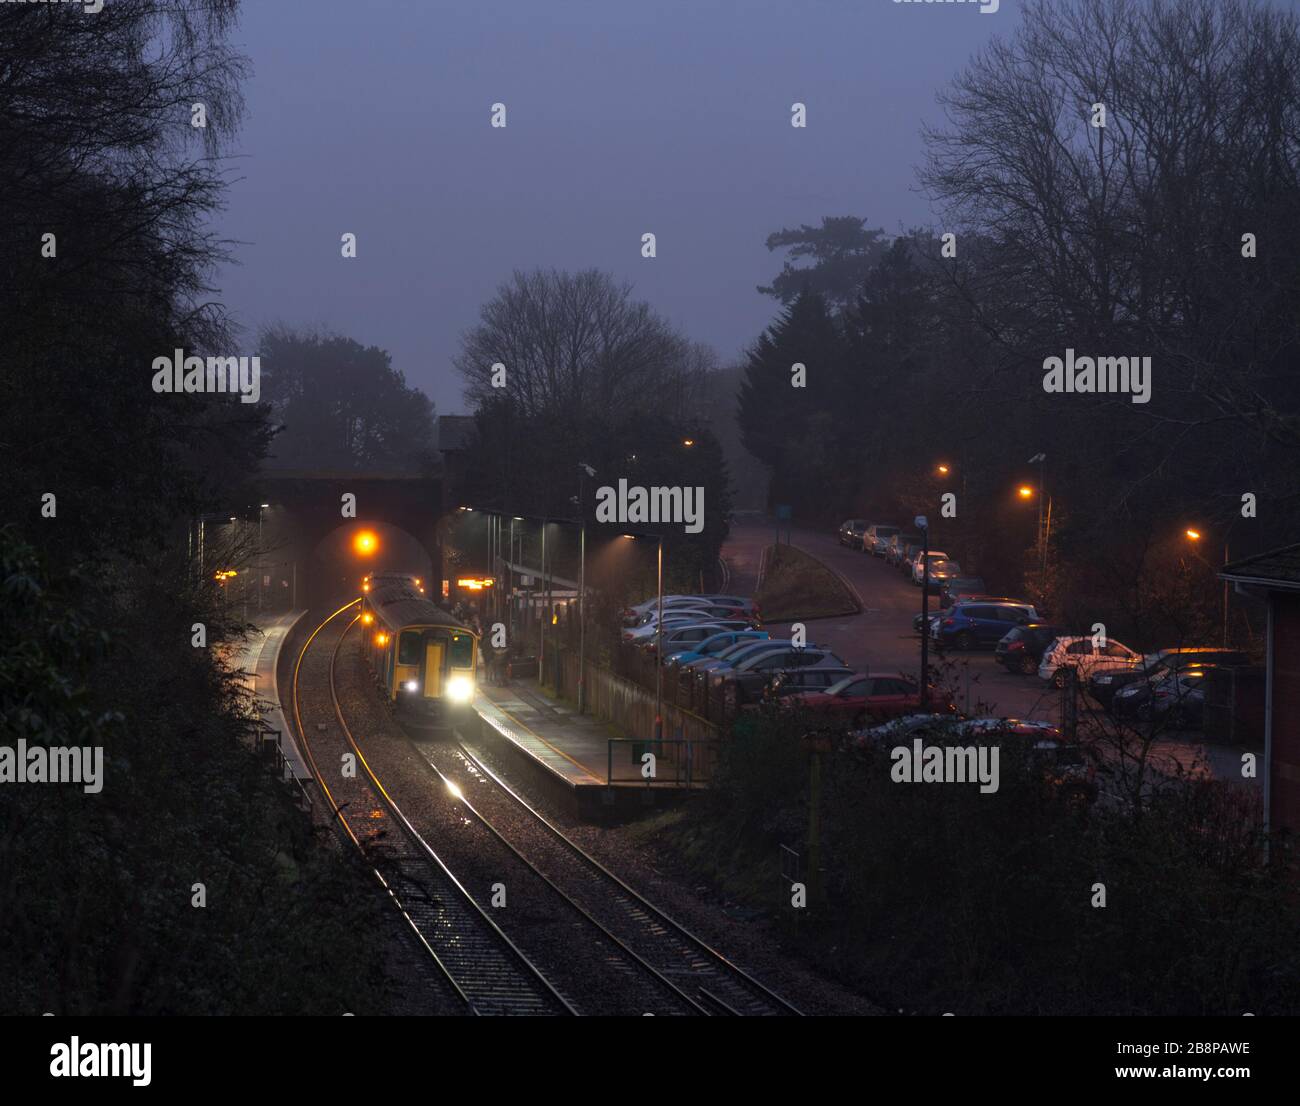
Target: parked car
{"type": "Point", "coordinates": [1080, 654]}
{"type": "Point", "coordinates": [632, 615]}
{"type": "Point", "coordinates": [1103, 686]}
{"type": "Point", "coordinates": [915, 562]}
{"type": "Point", "coordinates": [971, 625]}
{"type": "Point", "coordinates": [961, 587]}
{"type": "Point", "coordinates": [860, 699]}
{"type": "Point", "coordinates": [1022, 648]}
{"type": "Point", "coordinates": [876, 540]}
{"type": "Point", "coordinates": [1167, 695]}
{"type": "Point", "coordinates": [751, 674]}
{"type": "Point", "coordinates": [676, 638]}
{"type": "Point", "coordinates": [645, 630]}
{"type": "Point", "coordinates": [794, 683]}
{"type": "Point", "coordinates": [930, 616]}
{"type": "Point", "coordinates": [898, 545]}
{"type": "Point", "coordinates": [851, 531]}
{"type": "Point", "coordinates": [734, 654]}
{"type": "Point", "coordinates": [711, 646]}
{"type": "Point", "coordinates": [942, 569]}
{"type": "Point", "coordinates": [907, 559]}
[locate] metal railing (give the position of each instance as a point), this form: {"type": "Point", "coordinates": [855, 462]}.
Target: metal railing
{"type": "Point", "coordinates": [692, 762]}
{"type": "Point", "coordinates": [269, 745]}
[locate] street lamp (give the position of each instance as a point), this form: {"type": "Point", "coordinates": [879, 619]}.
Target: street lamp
{"type": "Point", "coordinates": [923, 526]}
{"type": "Point", "coordinates": [584, 470]}
{"type": "Point", "coordinates": [1194, 536]}
{"type": "Point", "coordinates": [659, 637]}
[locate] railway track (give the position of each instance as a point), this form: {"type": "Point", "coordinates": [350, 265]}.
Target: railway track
{"type": "Point", "coordinates": [481, 968]}
{"type": "Point", "coordinates": [712, 983]}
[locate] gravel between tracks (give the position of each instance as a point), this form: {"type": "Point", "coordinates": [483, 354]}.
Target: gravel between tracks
{"type": "Point", "coordinates": [587, 970]}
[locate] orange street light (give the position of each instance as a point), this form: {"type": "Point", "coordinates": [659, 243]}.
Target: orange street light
{"type": "Point", "coordinates": [688, 442]}
{"type": "Point", "coordinates": [943, 470]}
{"type": "Point", "coordinates": [1195, 535]}
{"type": "Point", "coordinates": [365, 542]}
{"type": "Point", "coordinates": [1025, 491]}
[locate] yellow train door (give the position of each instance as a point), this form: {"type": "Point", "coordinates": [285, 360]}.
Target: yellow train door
{"type": "Point", "coordinates": [433, 670]}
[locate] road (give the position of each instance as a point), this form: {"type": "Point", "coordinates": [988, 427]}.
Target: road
{"type": "Point", "coordinates": [880, 639]}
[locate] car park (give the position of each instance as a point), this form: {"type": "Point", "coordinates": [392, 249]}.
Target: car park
{"type": "Point", "coordinates": [711, 646]}
{"type": "Point", "coordinates": [734, 655]}
{"type": "Point", "coordinates": [1085, 657]}
{"type": "Point", "coordinates": [749, 675]}
{"type": "Point", "coordinates": [851, 531]}
{"type": "Point", "coordinates": [860, 699]}
{"type": "Point", "coordinates": [1103, 686]}
{"type": "Point", "coordinates": [634, 615]}
{"type": "Point", "coordinates": [877, 537]}
{"type": "Point", "coordinates": [1022, 648]}
{"type": "Point", "coordinates": [637, 635]}
{"type": "Point", "coordinates": [676, 638]}
{"type": "Point", "coordinates": [972, 625]}
{"type": "Point", "coordinates": [794, 683]}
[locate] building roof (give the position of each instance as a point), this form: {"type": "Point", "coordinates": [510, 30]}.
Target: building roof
{"type": "Point", "coordinates": [1278, 569]}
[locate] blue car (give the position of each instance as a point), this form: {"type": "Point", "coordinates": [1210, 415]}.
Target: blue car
{"type": "Point", "coordinates": [980, 624]}
{"type": "Point", "coordinates": [713, 645]}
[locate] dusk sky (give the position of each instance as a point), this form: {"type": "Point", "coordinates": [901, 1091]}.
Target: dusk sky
{"type": "Point", "coordinates": [670, 117]}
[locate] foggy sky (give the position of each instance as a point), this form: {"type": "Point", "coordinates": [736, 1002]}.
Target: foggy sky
{"type": "Point", "coordinates": [671, 117]}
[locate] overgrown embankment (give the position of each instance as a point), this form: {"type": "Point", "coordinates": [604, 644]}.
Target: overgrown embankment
{"type": "Point", "coordinates": [938, 897]}
{"type": "Point", "coordinates": [796, 586]}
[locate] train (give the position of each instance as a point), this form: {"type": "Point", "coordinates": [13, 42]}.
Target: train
{"type": "Point", "coordinates": [425, 660]}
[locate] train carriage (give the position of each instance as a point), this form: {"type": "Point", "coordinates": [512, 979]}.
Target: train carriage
{"type": "Point", "coordinates": [425, 660]}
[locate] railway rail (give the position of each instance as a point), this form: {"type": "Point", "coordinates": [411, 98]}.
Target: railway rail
{"type": "Point", "coordinates": [714, 984]}
{"type": "Point", "coordinates": [480, 967]}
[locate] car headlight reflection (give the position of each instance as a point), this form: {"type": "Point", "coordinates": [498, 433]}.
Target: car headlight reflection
{"type": "Point", "coordinates": [460, 689]}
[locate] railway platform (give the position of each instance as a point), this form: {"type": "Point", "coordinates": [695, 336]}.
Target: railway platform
{"type": "Point", "coordinates": [259, 661]}
{"type": "Point", "coordinates": [598, 772]}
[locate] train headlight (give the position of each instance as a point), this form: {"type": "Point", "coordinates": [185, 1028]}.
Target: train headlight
{"type": "Point", "coordinates": [412, 685]}
{"type": "Point", "coordinates": [460, 689]}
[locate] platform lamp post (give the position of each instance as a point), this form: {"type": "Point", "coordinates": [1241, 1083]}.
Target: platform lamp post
{"type": "Point", "coordinates": [1194, 536]}
{"type": "Point", "coordinates": [260, 566]}
{"type": "Point", "coordinates": [923, 527]}
{"type": "Point", "coordinates": [584, 470]}
{"type": "Point", "coordinates": [659, 635]}
{"type": "Point", "coordinates": [1040, 459]}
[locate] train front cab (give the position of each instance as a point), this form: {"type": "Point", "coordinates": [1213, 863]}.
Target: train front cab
{"type": "Point", "coordinates": [432, 669]}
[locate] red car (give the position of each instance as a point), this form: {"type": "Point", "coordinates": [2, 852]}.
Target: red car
{"type": "Point", "coordinates": [859, 699]}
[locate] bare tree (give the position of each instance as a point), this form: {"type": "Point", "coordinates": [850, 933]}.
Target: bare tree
{"type": "Point", "coordinates": [577, 343]}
